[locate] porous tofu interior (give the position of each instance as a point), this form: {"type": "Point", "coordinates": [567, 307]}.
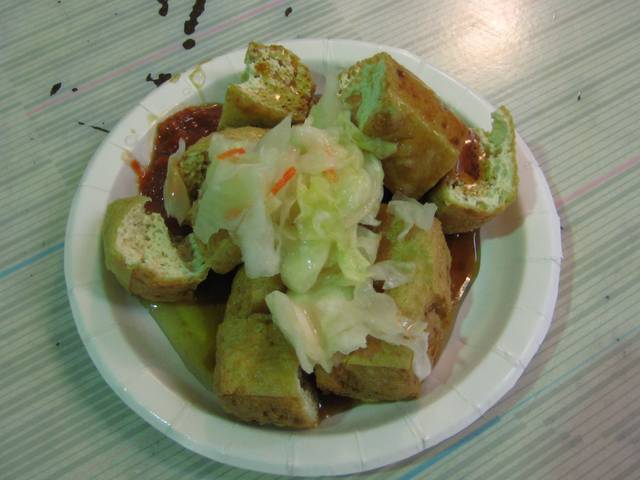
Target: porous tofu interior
{"type": "Point", "coordinates": [369, 88]}
{"type": "Point", "coordinates": [144, 239]}
{"type": "Point", "coordinates": [276, 75]}
{"type": "Point", "coordinates": [193, 166]}
{"type": "Point", "coordinates": [496, 186]}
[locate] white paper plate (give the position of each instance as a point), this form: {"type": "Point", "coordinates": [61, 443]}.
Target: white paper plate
{"type": "Point", "coordinates": [500, 326]}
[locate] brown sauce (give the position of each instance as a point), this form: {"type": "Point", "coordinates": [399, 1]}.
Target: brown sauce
{"type": "Point", "coordinates": [330, 405]}
{"type": "Point", "coordinates": [465, 262]}
{"type": "Point", "coordinates": [471, 154]}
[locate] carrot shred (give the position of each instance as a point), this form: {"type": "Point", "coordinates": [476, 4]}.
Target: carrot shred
{"type": "Point", "coordinates": [137, 169]}
{"type": "Point", "coordinates": [330, 174]}
{"type": "Point", "coordinates": [231, 153]}
{"type": "Point", "coordinates": [289, 173]}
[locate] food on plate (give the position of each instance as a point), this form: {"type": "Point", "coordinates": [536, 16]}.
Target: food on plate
{"type": "Point", "coordinates": [383, 371]}
{"type": "Point", "coordinates": [248, 294]}
{"type": "Point", "coordinates": [139, 250]}
{"type": "Point", "coordinates": [471, 195]}
{"type": "Point", "coordinates": [428, 289]}
{"type": "Point", "coordinates": [389, 102]}
{"type": "Point", "coordinates": [221, 253]}
{"type": "Point", "coordinates": [193, 164]}
{"type": "Point", "coordinates": [191, 329]}
{"type": "Point", "coordinates": [336, 286]}
{"type": "Point", "coordinates": [190, 167]}
{"type": "Point", "coordinates": [257, 375]}
{"type": "Point", "coordinates": [275, 83]}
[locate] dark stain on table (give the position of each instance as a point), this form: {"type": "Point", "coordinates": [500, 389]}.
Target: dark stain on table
{"type": "Point", "coordinates": [197, 9]}
{"type": "Point", "coordinates": [55, 88]}
{"type": "Point", "coordinates": [162, 77]}
{"type": "Point", "coordinates": [191, 24]}
{"type": "Point", "coordinates": [95, 127]}
{"type": "Point", "coordinates": [164, 7]}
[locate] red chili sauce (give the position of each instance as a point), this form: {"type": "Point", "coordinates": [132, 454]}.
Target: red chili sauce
{"type": "Point", "coordinates": [190, 124]}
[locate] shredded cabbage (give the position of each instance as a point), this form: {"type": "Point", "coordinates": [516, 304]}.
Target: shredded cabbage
{"type": "Point", "coordinates": [298, 203]}
{"type": "Point", "coordinates": [257, 240]}
{"type": "Point", "coordinates": [303, 262]}
{"type": "Point", "coordinates": [412, 212]}
{"type": "Point", "coordinates": [324, 113]}
{"type": "Point", "coordinates": [228, 191]}
{"type": "Point", "coordinates": [337, 320]}
{"type": "Point", "coordinates": [368, 242]}
{"type": "Point", "coordinates": [235, 197]}
{"type": "Point", "coordinates": [392, 273]}
{"type": "Point", "coordinates": [176, 196]}
{"type": "Point", "coordinates": [296, 326]}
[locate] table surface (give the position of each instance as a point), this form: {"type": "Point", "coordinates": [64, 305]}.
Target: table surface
{"type": "Point", "coordinates": [570, 73]}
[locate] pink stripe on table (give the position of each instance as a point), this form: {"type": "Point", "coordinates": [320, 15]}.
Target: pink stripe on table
{"type": "Point", "coordinates": [595, 183]}
{"type": "Point", "coordinates": [96, 82]}
{"type": "Point", "coordinates": [236, 20]}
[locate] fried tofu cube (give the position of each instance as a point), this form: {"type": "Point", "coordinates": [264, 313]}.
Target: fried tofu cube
{"type": "Point", "coordinates": [430, 288]}
{"type": "Point", "coordinates": [464, 205]}
{"type": "Point", "coordinates": [275, 83]}
{"type": "Point", "coordinates": [387, 101]}
{"type": "Point", "coordinates": [247, 294]}
{"type": "Point", "coordinates": [384, 372]}
{"type": "Point", "coordinates": [379, 372]}
{"type": "Point", "coordinates": [145, 258]}
{"type": "Point", "coordinates": [221, 253]}
{"type": "Point", "coordinates": [257, 375]}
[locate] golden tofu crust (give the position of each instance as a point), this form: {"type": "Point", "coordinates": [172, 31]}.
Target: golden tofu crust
{"type": "Point", "coordinates": [257, 375]}
{"type": "Point", "coordinates": [275, 83]}
{"type": "Point", "coordinates": [384, 372]}
{"type": "Point", "coordinates": [466, 206]}
{"type": "Point", "coordinates": [145, 258]}
{"type": "Point", "coordinates": [389, 102]}
{"type": "Point", "coordinates": [380, 372]}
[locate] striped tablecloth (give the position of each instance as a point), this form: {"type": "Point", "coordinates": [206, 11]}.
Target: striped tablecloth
{"type": "Point", "coordinates": [569, 71]}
